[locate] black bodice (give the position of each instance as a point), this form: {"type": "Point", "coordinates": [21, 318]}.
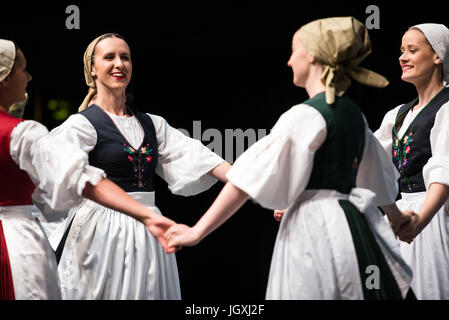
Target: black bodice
{"type": "Point", "coordinates": [412, 151]}
{"type": "Point", "coordinates": [131, 169]}
{"type": "Point", "coordinates": [336, 162]}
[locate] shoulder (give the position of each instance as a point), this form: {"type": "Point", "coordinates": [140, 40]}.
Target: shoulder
{"type": "Point", "coordinates": [30, 127]}
{"type": "Point", "coordinates": [158, 121]}
{"type": "Point", "coordinates": [75, 122]}
{"type": "Point", "coordinates": [300, 118]}
{"type": "Point", "coordinates": [392, 114]}
{"type": "Point", "coordinates": [301, 113]}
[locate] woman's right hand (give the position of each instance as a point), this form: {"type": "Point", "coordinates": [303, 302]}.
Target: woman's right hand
{"type": "Point", "coordinates": [182, 235]}
{"type": "Point", "coordinates": [278, 214]}
{"type": "Point", "coordinates": [158, 225]}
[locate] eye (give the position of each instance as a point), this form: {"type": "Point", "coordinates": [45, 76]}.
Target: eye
{"type": "Point", "coordinates": [126, 58]}
{"type": "Point", "coordinates": [109, 57]}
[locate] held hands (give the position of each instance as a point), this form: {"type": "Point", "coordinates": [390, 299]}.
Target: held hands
{"type": "Point", "coordinates": [157, 226]}
{"type": "Point", "coordinates": [172, 236]}
{"type": "Point", "coordinates": [278, 214]}
{"type": "Point", "coordinates": [409, 230]}
{"type": "Point", "coordinates": [182, 235]}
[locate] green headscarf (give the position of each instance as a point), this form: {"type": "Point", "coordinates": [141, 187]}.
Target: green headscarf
{"type": "Point", "coordinates": [340, 44]}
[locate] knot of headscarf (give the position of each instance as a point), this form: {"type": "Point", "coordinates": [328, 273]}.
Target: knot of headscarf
{"type": "Point", "coordinates": [7, 57]}
{"type": "Point", "coordinates": [90, 81]}
{"type": "Point", "coordinates": [340, 44]}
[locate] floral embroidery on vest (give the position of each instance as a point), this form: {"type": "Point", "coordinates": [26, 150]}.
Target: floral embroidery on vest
{"type": "Point", "coordinates": [140, 159]}
{"type": "Point", "coordinates": [401, 150]}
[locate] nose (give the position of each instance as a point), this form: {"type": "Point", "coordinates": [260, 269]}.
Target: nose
{"type": "Point", "coordinates": [118, 62]}
{"type": "Point", "coordinates": [29, 77]}
{"type": "Point", "coordinates": [403, 57]}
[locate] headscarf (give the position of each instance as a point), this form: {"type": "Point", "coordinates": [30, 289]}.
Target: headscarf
{"type": "Point", "coordinates": [7, 57]}
{"type": "Point", "coordinates": [438, 37]}
{"type": "Point", "coordinates": [87, 58]}
{"type": "Point", "coordinates": [340, 44]}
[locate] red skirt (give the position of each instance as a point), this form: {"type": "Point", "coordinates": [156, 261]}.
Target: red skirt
{"type": "Point", "coordinates": [6, 284]}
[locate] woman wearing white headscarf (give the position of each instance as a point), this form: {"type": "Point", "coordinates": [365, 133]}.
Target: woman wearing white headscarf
{"type": "Point", "coordinates": [60, 171]}
{"type": "Point", "coordinates": [416, 134]}
{"type": "Point", "coordinates": [316, 162]}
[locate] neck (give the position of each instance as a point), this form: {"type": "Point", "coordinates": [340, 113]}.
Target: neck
{"type": "Point", "coordinates": [427, 90]}
{"type": "Point", "coordinates": [313, 84]}
{"type": "Point", "coordinates": [112, 101]}
{"type": "Point", "coordinates": [2, 108]}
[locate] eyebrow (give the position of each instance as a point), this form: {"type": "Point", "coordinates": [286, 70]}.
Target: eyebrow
{"type": "Point", "coordinates": [111, 52]}
{"type": "Point", "coordinates": [409, 45]}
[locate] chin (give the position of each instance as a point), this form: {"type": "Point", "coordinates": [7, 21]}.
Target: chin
{"type": "Point", "coordinates": [118, 85]}
{"type": "Point", "coordinates": [407, 78]}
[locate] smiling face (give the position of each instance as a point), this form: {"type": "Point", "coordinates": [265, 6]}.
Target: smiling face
{"type": "Point", "coordinates": [112, 67]}
{"type": "Point", "coordinates": [418, 60]}
{"type": "Point", "coordinates": [300, 61]}
{"type": "Point", "coordinates": [14, 86]}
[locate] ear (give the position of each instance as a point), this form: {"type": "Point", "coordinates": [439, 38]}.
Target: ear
{"type": "Point", "coordinates": [5, 82]}
{"type": "Point", "coordinates": [311, 59]}
{"type": "Point", "coordinates": [436, 59]}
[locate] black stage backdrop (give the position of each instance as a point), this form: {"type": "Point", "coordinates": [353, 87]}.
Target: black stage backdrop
{"type": "Point", "coordinates": [206, 65]}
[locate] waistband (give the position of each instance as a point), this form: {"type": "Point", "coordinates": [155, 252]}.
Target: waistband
{"type": "Point", "coordinates": [16, 211]}
{"type": "Point", "coordinates": [145, 198]}
{"type": "Point", "coordinates": [413, 195]}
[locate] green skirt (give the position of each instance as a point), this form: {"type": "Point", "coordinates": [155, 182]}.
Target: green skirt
{"type": "Point", "coordinates": [377, 279]}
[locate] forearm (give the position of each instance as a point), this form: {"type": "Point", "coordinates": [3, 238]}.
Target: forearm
{"type": "Point", "coordinates": [227, 203]}
{"type": "Point", "coordinates": [112, 196]}
{"type": "Point", "coordinates": [220, 171]}
{"type": "Point", "coordinates": [392, 211]}
{"type": "Point", "coordinates": [436, 197]}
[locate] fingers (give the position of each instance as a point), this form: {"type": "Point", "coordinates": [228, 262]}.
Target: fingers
{"type": "Point", "coordinates": [278, 214]}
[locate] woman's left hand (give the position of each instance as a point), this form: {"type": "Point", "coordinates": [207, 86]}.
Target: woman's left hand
{"type": "Point", "coordinates": [408, 231]}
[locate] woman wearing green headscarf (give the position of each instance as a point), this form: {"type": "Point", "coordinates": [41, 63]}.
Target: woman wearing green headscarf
{"type": "Point", "coordinates": [319, 161]}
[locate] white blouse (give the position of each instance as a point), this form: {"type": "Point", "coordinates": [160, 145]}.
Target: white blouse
{"type": "Point", "coordinates": [59, 170]}
{"type": "Point", "coordinates": [183, 162]}
{"type": "Point", "coordinates": [275, 170]}
{"type": "Point", "coordinates": [437, 167]}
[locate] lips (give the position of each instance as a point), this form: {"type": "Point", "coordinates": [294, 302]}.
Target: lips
{"type": "Point", "coordinates": [118, 76]}
{"type": "Point", "coordinates": [406, 67]}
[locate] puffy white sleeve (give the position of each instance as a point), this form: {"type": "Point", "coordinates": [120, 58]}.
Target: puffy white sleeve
{"type": "Point", "coordinates": [183, 162]}
{"type": "Point", "coordinates": [384, 133]}
{"type": "Point", "coordinates": [275, 170]}
{"type": "Point", "coordinates": [376, 170]}
{"type": "Point", "coordinates": [437, 168]}
{"type": "Point", "coordinates": [58, 168]}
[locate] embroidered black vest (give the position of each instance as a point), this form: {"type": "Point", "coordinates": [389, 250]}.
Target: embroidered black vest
{"type": "Point", "coordinates": [412, 151]}
{"type": "Point", "coordinates": [131, 169]}
{"type": "Point", "coordinates": [336, 162]}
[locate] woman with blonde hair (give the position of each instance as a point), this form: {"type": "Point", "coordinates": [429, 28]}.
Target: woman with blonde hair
{"type": "Point", "coordinates": [107, 255]}
{"type": "Point", "coordinates": [416, 135]}
{"type": "Point", "coordinates": [320, 161]}
{"type": "Point", "coordinates": [57, 172]}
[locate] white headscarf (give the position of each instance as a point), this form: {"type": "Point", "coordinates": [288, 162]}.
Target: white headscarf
{"type": "Point", "coordinates": [438, 37]}
{"type": "Point", "coordinates": [7, 57]}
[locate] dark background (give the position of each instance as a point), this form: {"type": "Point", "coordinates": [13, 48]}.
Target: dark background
{"type": "Point", "coordinates": [221, 62]}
